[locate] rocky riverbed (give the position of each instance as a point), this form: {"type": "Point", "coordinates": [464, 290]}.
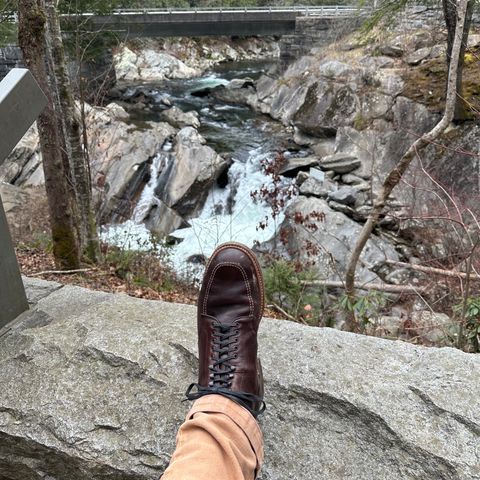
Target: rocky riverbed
{"type": "Point", "coordinates": [183, 150]}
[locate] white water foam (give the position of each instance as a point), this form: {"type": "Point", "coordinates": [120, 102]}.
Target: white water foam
{"type": "Point", "coordinates": [216, 223]}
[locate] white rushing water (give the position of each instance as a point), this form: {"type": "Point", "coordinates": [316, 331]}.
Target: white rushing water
{"type": "Point", "coordinates": [230, 213]}
{"type": "Point", "coordinates": [214, 225]}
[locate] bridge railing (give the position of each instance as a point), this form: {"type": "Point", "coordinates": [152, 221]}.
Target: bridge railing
{"type": "Point", "coordinates": [325, 10]}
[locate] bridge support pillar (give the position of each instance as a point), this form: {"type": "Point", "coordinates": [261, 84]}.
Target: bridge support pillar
{"type": "Point", "coordinates": [314, 31]}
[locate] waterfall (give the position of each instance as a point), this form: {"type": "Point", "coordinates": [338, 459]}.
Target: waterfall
{"type": "Point", "coordinates": [229, 213]}
{"type": "Point", "coordinates": [147, 198]}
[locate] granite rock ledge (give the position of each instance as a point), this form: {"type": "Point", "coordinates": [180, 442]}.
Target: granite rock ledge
{"type": "Point", "coordinates": [91, 386]}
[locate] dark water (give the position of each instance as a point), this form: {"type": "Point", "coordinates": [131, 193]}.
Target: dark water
{"type": "Point", "coordinates": [228, 129]}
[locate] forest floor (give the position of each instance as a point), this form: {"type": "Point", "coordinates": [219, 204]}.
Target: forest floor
{"type": "Point", "coordinates": [112, 274]}
{"type": "Point", "coordinates": [137, 274]}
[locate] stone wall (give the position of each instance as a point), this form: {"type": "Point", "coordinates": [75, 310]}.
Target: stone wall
{"type": "Point", "coordinates": [10, 57]}
{"type": "Point", "coordinates": [318, 31]}
{"type": "Point", "coordinates": [313, 32]}
{"type": "Point", "coordinates": [416, 18]}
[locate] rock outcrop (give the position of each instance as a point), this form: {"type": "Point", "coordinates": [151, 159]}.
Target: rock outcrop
{"type": "Point", "coordinates": [314, 232]}
{"type": "Point", "coordinates": [358, 108]}
{"type": "Point", "coordinates": [184, 178]}
{"type": "Point", "coordinates": [148, 65]}
{"type": "Point", "coordinates": [121, 157]}
{"type": "Point", "coordinates": [121, 152]}
{"type": "Point", "coordinates": [119, 149]}
{"type": "Point", "coordinates": [176, 58]}
{"type": "Point", "coordinates": [92, 383]}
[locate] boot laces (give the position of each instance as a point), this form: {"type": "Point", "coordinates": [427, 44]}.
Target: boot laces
{"type": "Point", "coordinates": [225, 340]}
{"type": "Point", "coordinates": [225, 345]}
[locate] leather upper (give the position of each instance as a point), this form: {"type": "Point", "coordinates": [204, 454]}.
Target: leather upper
{"type": "Point", "coordinates": [231, 295]}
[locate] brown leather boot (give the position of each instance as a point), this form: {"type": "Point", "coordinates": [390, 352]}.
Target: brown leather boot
{"type": "Point", "coordinates": [230, 307]}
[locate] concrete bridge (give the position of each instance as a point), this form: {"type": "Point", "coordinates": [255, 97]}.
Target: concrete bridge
{"type": "Point", "coordinates": [207, 22]}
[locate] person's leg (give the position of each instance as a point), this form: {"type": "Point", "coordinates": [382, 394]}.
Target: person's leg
{"type": "Point", "coordinates": [219, 440]}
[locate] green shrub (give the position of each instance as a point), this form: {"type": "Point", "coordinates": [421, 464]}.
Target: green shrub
{"type": "Point", "coordinates": [366, 308]}
{"type": "Point", "coordinates": [471, 313]}
{"type": "Point", "coordinates": [284, 288]}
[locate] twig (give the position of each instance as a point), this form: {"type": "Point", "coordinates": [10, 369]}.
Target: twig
{"type": "Point", "coordinates": [396, 174]}
{"type": "Point", "coordinates": [382, 287]}
{"type": "Point", "coordinates": [290, 317]}
{"type": "Point", "coordinates": [438, 271]}
{"type": "Point", "coordinates": [62, 272]}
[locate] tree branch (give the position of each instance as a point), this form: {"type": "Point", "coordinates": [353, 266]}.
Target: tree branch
{"type": "Point", "coordinates": [437, 271]}
{"type": "Point", "coordinates": [381, 287]}
{"type": "Point", "coordinates": [395, 175]}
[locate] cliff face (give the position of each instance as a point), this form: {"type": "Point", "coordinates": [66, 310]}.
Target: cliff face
{"type": "Point", "coordinates": [358, 105]}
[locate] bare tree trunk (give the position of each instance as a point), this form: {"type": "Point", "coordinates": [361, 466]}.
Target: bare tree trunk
{"type": "Point", "coordinates": [31, 36]}
{"type": "Point", "coordinates": [450, 15]}
{"type": "Point", "coordinates": [77, 156]}
{"type": "Point", "coordinates": [395, 175]}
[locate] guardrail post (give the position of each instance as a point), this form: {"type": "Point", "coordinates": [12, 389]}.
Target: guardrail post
{"type": "Point", "coordinates": [21, 101]}
{"type": "Point", "coordinates": [13, 300]}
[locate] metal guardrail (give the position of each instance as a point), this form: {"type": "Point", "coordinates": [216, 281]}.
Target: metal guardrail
{"type": "Point", "coordinates": [21, 101]}
{"type": "Point", "coordinates": [333, 10]}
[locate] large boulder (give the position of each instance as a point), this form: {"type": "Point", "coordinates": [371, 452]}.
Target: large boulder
{"type": "Point", "coordinates": [183, 182]}
{"type": "Point", "coordinates": [179, 119]}
{"type": "Point", "coordinates": [314, 232]}
{"type": "Point", "coordinates": [92, 383]}
{"type": "Point", "coordinates": [328, 105]}
{"type": "Point", "coordinates": [119, 154]}
{"type": "Point", "coordinates": [148, 65]}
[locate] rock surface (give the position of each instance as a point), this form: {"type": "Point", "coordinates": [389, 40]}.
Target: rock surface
{"type": "Point", "coordinates": [14, 198]}
{"type": "Point", "coordinates": [184, 178]}
{"type": "Point", "coordinates": [177, 58]}
{"type": "Point", "coordinates": [327, 237]}
{"type": "Point", "coordinates": [94, 391]}
{"type": "Point", "coordinates": [23, 165]}
{"type": "Point", "coordinates": [119, 150]}
{"type": "Point", "coordinates": [179, 119]}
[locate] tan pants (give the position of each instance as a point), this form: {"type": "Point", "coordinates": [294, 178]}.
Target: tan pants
{"type": "Point", "coordinates": [218, 440]}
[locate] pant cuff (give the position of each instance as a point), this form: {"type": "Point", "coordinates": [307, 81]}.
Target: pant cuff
{"type": "Point", "coordinates": [238, 414]}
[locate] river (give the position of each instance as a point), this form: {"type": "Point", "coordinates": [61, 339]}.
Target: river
{"type": "Point", "coordinates": [230, 212]}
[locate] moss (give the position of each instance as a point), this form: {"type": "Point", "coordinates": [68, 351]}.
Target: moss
{"type": "Point", "coordinates": [65, 248]}
{"type": "Point", "coordinates": [360, 122]}
{"type": "Point", "coordinates": [426, 83]}
{"type": "Point", "coordinates": [8, 33]}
